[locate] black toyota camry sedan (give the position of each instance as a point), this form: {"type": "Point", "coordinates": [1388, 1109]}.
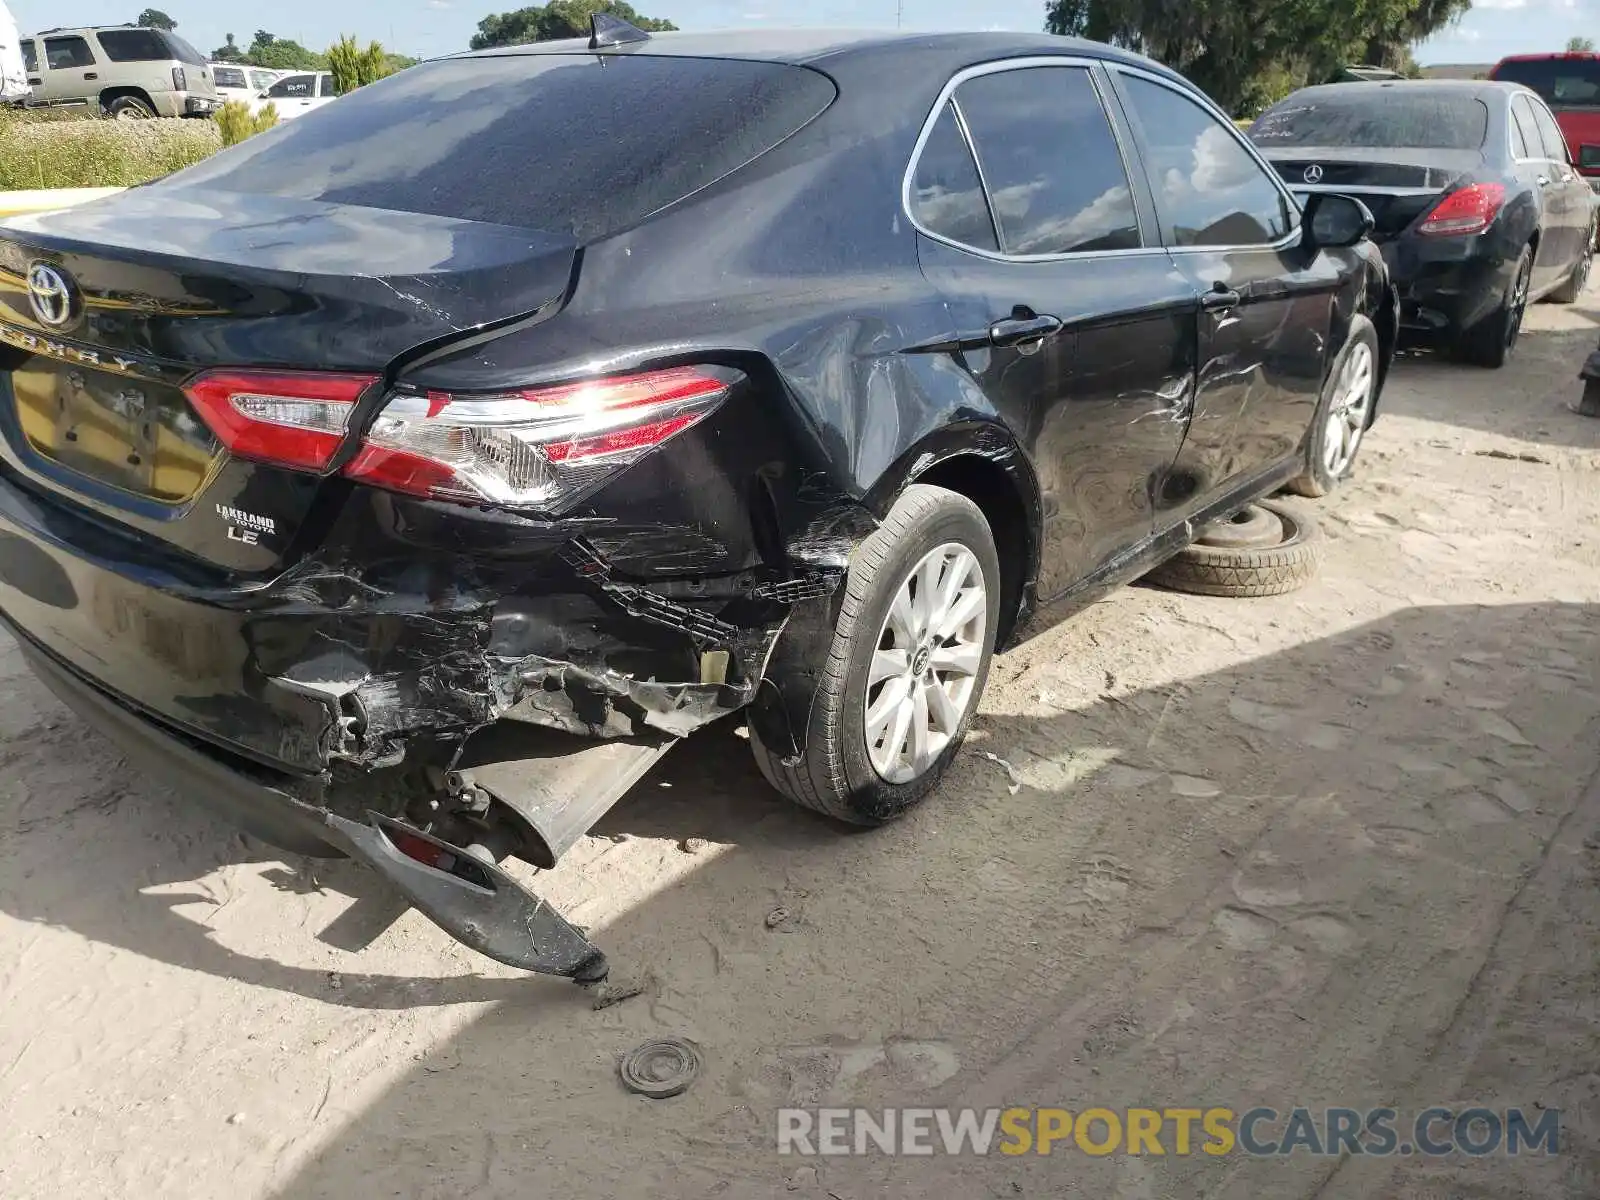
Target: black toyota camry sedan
{"type": "Point", "coordinates": [1478, 208]}
{"type": "Point", "coordinates": [604, 388]}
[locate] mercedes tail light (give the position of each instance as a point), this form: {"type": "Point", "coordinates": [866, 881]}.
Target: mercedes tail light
{"type": "Point", "coordinates": [292, 418]}
{"type": "Point", "coordinates": [542, 448]}
{"type": "Point", "coordinates": [1471, 209]}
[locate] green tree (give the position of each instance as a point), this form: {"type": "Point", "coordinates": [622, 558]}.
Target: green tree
{"type": "Point", "coordinates": [354, 67]}
{"type": "Point", "coordinates": [154, 18]}
{"type": "Point", "coordinates": [228, 52]}
{"type": "Point", "coordinates": [558, 19]}
{"type": "Point", "coordinates": [282, 54]}
{"type": "Point", "coordinates": [1580, 45]}
{"type": "Point", "coordinates": [1246, 53]}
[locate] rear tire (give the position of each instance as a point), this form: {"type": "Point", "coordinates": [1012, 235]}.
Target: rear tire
{"type": "Point", "coordinates": [130, 108]}
{"type": "Point", "coordinates": [1489, 343]}
{"type": "Point", "coordinates": [897, 606]}
{"type": "Point", "coordinates": [1344, 411]}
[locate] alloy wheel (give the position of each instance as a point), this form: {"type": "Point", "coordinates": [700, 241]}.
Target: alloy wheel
{"type": "Point", "coordinates": [1518, 303]}
{"type": "Point", "coordinates": [925, 664]}
{"type": "Point", "coordinates": [1347, 418]}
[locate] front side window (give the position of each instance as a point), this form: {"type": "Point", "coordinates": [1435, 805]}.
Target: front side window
{"type": "Point", "coordinates": [1555, 143]}
{"type": "Point", "coordinates": [30, 57]}
{"type": "Point", "coordinates": [946, 194]}
{"type": "Point", "coordinates": [295, 87]}
{"type": "Point", "coordinates": [133, 45]}
{"type": "Point", "coordinates": [1209, 188]}
{"type": "Point", "coordinates": [67, 53]}
{"type": "Point", "coordinates": [1055, 175]}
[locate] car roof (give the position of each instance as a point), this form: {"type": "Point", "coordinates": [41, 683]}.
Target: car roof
{"type": "Point", "coordinates": [1480, 89]}
{"type": "Point", "coordinates": [838, 50]}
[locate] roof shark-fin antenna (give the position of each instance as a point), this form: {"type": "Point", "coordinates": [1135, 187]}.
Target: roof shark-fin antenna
{"type": "Point", "coordinates": [606, 30]}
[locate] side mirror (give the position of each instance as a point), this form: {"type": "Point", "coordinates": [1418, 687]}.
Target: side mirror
{"type": "Point", "coordinates": [1333, 221]}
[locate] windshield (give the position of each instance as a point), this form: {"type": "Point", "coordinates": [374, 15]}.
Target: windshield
{"type": "Point", "coordinates": [1562, 82]}
{"type": "Point", "coordinates": [1374, 117]}
{"type": "Point", "coordinates": [566, 143]}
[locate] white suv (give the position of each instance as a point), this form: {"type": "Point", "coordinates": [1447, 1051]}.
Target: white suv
{"type": "Point", "coordinates": [236, 81]}
{"type": "Point", "coordinates": [126, 72]}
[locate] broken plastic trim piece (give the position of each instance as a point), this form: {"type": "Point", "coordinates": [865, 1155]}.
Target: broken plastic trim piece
{"type": "Point", "coordinates": [473, 901]}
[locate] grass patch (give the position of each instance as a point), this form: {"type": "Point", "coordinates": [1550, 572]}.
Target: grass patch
{"type": "Point", "coordinates": [86, 152]}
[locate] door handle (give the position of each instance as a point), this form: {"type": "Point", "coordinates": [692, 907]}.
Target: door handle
{"type": "Point", "coordinates": [1544, 181]}
{"type": "Point", "coordinates": [91, 75]}
{"type": "Point", "coordinates": [1220, 299]}
{"type": "Point", "coordinates": [35, 80]}
{"type": "Point", "coordinates": [1016, 330]}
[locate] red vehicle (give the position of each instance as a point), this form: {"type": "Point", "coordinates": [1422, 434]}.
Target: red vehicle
{"type": "Point", "coordinates": [1570, 84]}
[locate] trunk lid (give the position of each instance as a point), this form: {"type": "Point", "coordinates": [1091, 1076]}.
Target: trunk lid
{"type": "Point", "coordinates": [1397, 185]}
{"type": "Point", "coordinates": [106, 311]}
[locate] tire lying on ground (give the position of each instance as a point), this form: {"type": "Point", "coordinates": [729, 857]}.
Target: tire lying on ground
{"type": "Point", "coordinates": [1264, 550]}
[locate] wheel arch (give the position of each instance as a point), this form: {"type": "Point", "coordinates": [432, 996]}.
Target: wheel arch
{"type": "Point", "coordinates": [981, 461]}
{"type": "Point", "coordinates": [111, 94]}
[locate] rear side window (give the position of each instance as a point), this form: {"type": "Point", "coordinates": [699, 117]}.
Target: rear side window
{"type": "Point", "coordinates": [1380, 118]}
{"type": "Point", "coordinates": [181, 50]}
{"type": "Point", "coordinates": [1047, 152]}
{"type": "Point", "coordinates": [65, 53]}
{"type": "Point", "coordinates": [1525, 130]}
{"type": "Point", "coordinates": [1208, 187]}
{"type": "Point", "coordinates": [946, 194]}
{"type": "Point", "coordinates": [565, 143]}
{"type": "Point", "coordinates": [133, 45]}
{"type": "Point", "coordinates": [30, 57]}
{"type": "Point", "coordinates": [228, 77]}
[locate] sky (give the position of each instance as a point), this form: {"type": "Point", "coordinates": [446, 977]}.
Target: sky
{"type": "Point", "coordinates": [427, 28]}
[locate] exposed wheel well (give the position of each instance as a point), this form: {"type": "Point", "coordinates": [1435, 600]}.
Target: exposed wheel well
{"type": "Point", "coordinates": [117, 93]}
{"type": "Point", "coordinates": [992, 490]}
{"type": "Point", "coordinates": [1388, 326]}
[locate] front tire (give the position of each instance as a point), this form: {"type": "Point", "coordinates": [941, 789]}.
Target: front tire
{"type": "Point", "coordinates": [1573, 286]}
{"type": "Point", "coordinates": [1343, 413]}
{"type": "Point", "coordinates": [910, 655]}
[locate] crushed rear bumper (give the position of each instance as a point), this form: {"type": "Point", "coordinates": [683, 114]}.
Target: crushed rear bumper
{"type": "Point", "coordinates": [470, 899]}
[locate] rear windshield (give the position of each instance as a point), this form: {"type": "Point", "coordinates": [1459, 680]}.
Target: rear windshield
{"type": "Point", "coordinates": [565, 143]}
{"type": "Point", "coordinates": [1561, 81]}
{"type": "Point", "coordinates": [228, 77]}
{"type": "Point", "coordinates": [1375, 116]}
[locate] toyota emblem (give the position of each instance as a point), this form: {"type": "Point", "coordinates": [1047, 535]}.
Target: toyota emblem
{"type": "Point", "coordinates": [50, 295]}
{"type": "Point", "coordinates": [1313, 174]}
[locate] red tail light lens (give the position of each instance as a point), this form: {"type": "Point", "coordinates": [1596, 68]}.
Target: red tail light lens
{"type": "Point", "coordinates": [291, 418]}
{"type": "Point", "coordinates": [1471, 209]}
{"type": "Point", "coordinates": [541, 449]}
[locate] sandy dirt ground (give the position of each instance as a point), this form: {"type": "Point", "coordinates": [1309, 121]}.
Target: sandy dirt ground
{"type": "Point", "coordinates": [1334, 848]}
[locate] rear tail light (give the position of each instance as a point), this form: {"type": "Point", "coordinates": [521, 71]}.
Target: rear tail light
{"type": "Point", "coordinates": [1471, 209]}
{"type": "Point", "coordinates": [292, 418]}
{"type": "Point", "coordinates": [543, 448]}
{"type": "Point", "coordinates": [180, 80]}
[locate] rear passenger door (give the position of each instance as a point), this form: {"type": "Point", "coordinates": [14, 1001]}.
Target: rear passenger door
{"type": "Point", "coordinates": [1569, 201]}
{"type": "Point", "coordinates": [1073, 319]}
{"type": "Point", "coordinates": [1266, 303]}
